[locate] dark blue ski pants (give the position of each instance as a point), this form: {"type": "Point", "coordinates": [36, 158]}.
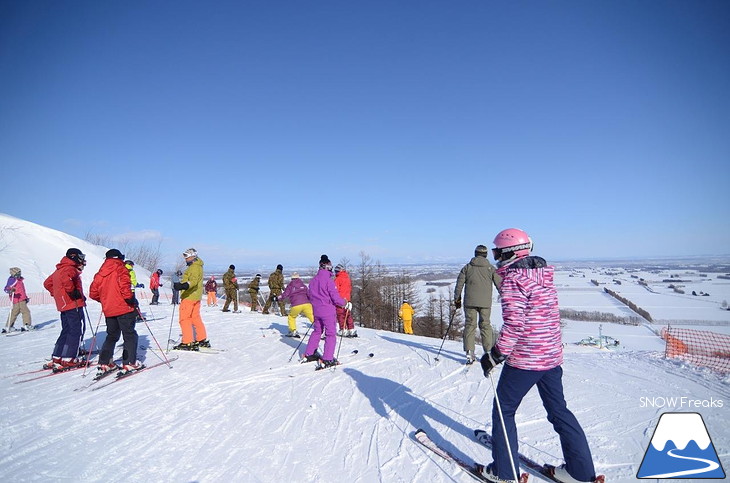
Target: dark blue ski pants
{"type": "Point", "coordinates": [72, 333]}
{"type": "Point", "coordinates": [513, 385]}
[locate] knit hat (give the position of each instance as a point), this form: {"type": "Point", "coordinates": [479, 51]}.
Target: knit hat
{"type": "Point", "coordinates": [339, 268]}
{"type": "Point", "coordinates": [232, 267]}
{"type": "Point", "coordinates": [295, 275]}
{"type": "Point", "coordinates": [324, 263]}
{"type": "Point", "coordinates": [15, 272]}
{"type": "Point", "coordinates": [129, 262]}
{"type": "Point", "coordinates": [481, 251]}
{"type": "Point", "coordinates": [114, 253]}
{"type": "Point", "coordinates": [279, 267]}
{"type": "Point", "coordinates": [159, 270]}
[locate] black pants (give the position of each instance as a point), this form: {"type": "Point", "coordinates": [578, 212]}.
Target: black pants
{"type": "Point", "coordinates": [155, 296]}
{"type": "Point", "coordinates": [124, 325]}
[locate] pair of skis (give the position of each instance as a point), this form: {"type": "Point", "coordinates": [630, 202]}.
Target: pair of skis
{"type": "Point", "coordinates": [104, 380]}
{"type": "Point", "coordinates": [475, 470]}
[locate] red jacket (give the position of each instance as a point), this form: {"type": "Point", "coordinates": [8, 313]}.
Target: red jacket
{"type": "Point", "coordinates": [155, 281]}
{"type": "Point", "coordinates": [62, 282]}
{"type": "Point", "coordinates": [344, 285]}
{"type": "Point", "coordinates": [111, 286]}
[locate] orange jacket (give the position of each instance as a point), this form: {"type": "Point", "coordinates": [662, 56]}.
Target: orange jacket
{"type": "Point", "coordinates": [344, 285]}
{"type": "Point", "coordinates": [62, 282]}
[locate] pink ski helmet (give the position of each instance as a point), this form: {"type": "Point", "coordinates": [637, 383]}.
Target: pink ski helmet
{"type": "Point", "coordinates": [512, 242]}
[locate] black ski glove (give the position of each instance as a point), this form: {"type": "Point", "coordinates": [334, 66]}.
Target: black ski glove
{"type": "Point", "coordinates": [182, 286]}
{"type": "Point", "coordinates": [490, 360]}
{"type": "Point", "coordinates": [132, 302]}
{"type": "Point", "coordinates": [75, 294]}
{"type": "Point", "coordinates": [457, 304]}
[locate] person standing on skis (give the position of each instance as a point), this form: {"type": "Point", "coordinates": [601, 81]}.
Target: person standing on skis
{"type": "Point", "coordinates": [344, 287]}
{"type": "Point", "coordinates": [253, 291]}
{"type": "Point", "coordinates": [112, 288]}
{"type": "Point", "coordinates": [296, 292]}
{"type": "Point", "coordinates": [65, 286]}
{"type": "Point", "coordinates": [211, 287]}
{"type": "Point", "coordinates": [476, 280]}
{"type": "Point", "coordinates": [324, 298]}
{"type": "Point", "coordinates": [194, 334]}
{"type": "Point", "coordinates": [276, 287]}
{"type": "Point", "coordinates": [15, 288]}
{"type": "Point", "coordinates": [230, 285]}
{"type": "Point", "coordinates": [155, 285]}
{"type": "Point", "coordinates": [531, 348]}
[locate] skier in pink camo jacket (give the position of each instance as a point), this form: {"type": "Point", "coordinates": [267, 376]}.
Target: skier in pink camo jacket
{"type": "Point", "coordinates": [530, 345]}
{"type": "Point", "coordinates": [324, 298]}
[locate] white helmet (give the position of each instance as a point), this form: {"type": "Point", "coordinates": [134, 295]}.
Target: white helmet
{"type": "Point", "coordinates": [190, 252]}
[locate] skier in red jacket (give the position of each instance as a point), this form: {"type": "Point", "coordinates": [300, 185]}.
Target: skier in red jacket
{"type": "Point", "coordinates": [112, 288]}
{"type": "Point", "coordinates": [65, 286]}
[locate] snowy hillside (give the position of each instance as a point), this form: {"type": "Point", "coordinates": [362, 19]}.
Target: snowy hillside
{"type": "Point", "coordinates": [249, 414]}
{"type": "Point", "coordinates": [36, 250]}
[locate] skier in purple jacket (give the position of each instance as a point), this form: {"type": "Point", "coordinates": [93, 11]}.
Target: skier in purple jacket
{"type": "Point", "coordinates": [324, 298]}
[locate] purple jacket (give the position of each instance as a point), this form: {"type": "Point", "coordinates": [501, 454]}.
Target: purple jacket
{"type": "Point", "coordinates": [296, 292]}
{"type": "Point", "coordinates": [16, 288]}
{"type": "Point", "coordinates": [323, 295]}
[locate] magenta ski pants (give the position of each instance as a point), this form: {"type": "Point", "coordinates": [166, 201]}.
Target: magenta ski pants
{"type": "Point", "coordinates": [513, 385]}
{"type": "Point", "coordinates": [328, 325]}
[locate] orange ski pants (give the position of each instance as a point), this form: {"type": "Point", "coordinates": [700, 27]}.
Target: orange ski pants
{"type": "Point", "coordinates": [191, 323]}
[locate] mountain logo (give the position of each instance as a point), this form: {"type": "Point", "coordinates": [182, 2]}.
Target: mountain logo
{"type": "Point", "coordinates": [680, 448]}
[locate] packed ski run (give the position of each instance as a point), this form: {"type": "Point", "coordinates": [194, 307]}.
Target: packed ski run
{"type": "Point", "coordinates": [247, 414]}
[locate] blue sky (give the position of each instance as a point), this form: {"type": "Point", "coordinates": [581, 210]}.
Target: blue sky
{"type": "Point", "coordinates": [264, 132]}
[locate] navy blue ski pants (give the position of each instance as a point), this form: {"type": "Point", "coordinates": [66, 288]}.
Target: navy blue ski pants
{"type": "Point", "coordinates": [72, 333]}
{"type": "Point", "coordinates": [513, 385]}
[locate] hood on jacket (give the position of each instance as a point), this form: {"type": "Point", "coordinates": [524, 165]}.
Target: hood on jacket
{"type": "Point", "coordinates": [531, 269]}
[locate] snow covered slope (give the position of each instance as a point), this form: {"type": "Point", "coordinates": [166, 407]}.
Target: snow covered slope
{"type": "Point", "coordinates": [248, 414]}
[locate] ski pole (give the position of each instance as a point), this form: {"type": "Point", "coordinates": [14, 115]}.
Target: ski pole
{"type": "Point", "coordinates": [300, 343]}
{"type": "Point", "coordinates": [154, 338]}
{"type": "Point", "coordinates": [7, 324]}
{"type": "Point", "coordinates": [347, 312]}
{"type": "Point", "coordinates": [451, 321]}
{"type": "Point", "coordinates": [504, 429]}
{"type": "Point", "coordinates": [169, 334]}
{"type": "Point", "coordinates": [93, 341]}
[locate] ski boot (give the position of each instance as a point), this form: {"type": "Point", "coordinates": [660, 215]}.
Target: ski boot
{"type": "Point", "coordinates": [323, 364]}
{"type": "Point", "coordinates": [27, 328]}
{"type": "Point", "coordinates": [486, 472]}
{"type": "Point", "coordinates": [311, 358]}
{"type": "Point", "coordinates": [129, 368]}
{"type": "Point", "coordinates": [55, 362]}
{"type": "Point", "coordinates": [105, 369]}
{"type": "Point", "coordinates": [67, 363]}
{"type": "Point", "coordinates": [190, 346]}
{"type": "Point", "coordinates": [205, 343]}
{"type": "Point", "coordinates": [470, 357]}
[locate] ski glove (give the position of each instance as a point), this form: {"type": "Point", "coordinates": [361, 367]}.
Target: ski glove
{"type": "Point", "coordinates": [182, 286]}
{"type": "Point", "coordinates": [490, 360]}
{"type": "Point", "coordinates": [132, 302]}
{"type": "Point", "coordinates": [75, 294]}
{"type": "Point", "coordinates": [348, 306]}
{"type": "Point", "coordinates": [457, 304]}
